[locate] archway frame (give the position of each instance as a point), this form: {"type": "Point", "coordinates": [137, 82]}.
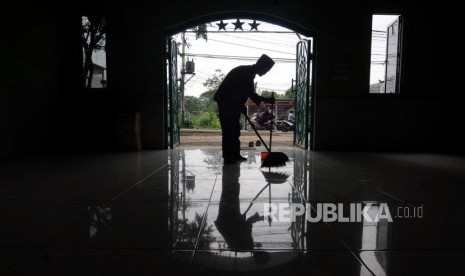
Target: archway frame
{"type": "Point", "coordinates": [248, 15]}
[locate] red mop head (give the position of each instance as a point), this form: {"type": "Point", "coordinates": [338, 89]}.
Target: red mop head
{"type": "Point", "coordinates": [275, 159]}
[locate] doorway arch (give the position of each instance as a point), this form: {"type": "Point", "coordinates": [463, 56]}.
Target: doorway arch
{"type": "Point", "coordinates": [306, 127]}
{"type": "Point", "coordinates": [228, 15]}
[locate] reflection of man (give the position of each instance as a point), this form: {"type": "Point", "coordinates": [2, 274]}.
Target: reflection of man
{"type": "Point", "coordinates": [237, 86]}
{"type": "Point", "coordinates": [234, 226]}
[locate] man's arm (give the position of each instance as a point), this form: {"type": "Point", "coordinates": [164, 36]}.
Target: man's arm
{"type": "Point", "coordinates": [257, 99]}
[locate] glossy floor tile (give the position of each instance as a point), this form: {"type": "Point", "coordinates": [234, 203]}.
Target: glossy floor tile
{"type": "Point", "coordinates": [277, 263]}
{"type": "Point", "coordinates": [414, 262]}
{"type": "Point", "coordinates": [183, 212]}
{"type": "Point", "coordinates": [104, 262]}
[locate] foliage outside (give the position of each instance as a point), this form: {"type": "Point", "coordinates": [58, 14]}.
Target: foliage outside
{"type": "Point", "coordinates": [202, 111]}
{"type": "Point", "coordinates": [93, 29]}
{"type": "Point", "coordinates": [206, 120]}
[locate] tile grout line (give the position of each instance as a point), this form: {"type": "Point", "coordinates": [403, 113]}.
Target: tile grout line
{"type": "Point", "coordinates": [137, 183]}
{"type": "Point", "coordinates": [201, 227]}
{"type": "Point", "coordinates": [347, 246]}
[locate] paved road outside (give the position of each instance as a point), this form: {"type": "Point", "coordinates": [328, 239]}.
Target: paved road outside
{"type": "Point", "coordinates": [198, 137]}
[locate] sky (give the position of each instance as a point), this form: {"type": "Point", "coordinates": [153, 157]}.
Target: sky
{"type": "Point", "coordinates": [226, 50]}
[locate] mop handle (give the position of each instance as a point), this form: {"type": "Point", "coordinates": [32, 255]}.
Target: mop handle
{"type": "Point", "coordinates": [272, 121]}
{"type": "Point", "coordinates": [253, 200]}
{"type": "Point", "coordinates": [256, 132]}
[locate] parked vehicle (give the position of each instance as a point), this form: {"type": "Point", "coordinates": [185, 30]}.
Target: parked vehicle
{"type": "Point", "coordinates": [267, 125]}
{"type": "Point", "coordinates": [286, 125]}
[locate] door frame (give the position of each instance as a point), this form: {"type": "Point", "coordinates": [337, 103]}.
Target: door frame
{"type": "Point", "coordinates": [233, 15]}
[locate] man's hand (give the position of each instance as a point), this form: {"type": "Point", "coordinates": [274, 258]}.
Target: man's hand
{"type": "Point", "coordinates": [271, 100]}
{"type": "Point", "coordinates": [244, 110]}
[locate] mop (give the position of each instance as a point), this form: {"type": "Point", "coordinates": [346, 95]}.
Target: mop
{"type": "Point", "coordinates": [271, 178]}
{"type": "Point", "coordinates": [273, 159]}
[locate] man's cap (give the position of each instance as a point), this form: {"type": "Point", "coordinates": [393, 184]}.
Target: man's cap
{"type": "Point", "coordinates": [265, 61]}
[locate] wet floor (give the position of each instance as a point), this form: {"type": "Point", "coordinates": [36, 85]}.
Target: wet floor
{"type": "Point", "coordinates": [184, 212]}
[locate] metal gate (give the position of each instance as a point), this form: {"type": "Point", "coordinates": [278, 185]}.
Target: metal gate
{"type": "Point", "coordinates": [302, 95]}
{"type": "Point", "coordinates": [173, 94]}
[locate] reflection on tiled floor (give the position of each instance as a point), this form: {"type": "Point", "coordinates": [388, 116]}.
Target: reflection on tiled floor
{"type": "Point", "coordinates": [183, 212]}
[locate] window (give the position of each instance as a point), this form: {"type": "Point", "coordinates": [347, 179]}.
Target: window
{"type": "Point", "coordinates": [385, 54]}
{"type": "Point", "coordinates": [93, 34]}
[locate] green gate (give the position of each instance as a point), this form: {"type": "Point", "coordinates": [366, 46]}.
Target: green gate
{"type": "Point", "coordinates": [302, 95]}
{"type": "Point", "coordinates": [173, 94]}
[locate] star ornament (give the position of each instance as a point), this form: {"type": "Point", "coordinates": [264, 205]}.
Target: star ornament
{"type": "Point", "coordinates": [254, 25]}
{"type": "Point", "coordinates": [238, 25]}
{"type": "Point", "coordinates": [221, 25]}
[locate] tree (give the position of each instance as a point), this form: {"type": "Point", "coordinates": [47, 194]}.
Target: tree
{"type": "Point", "coordinates": [188, 233]}
{"type": "Point", "coordinates": [194, 104]}
{"type": "Point", "coordinates": [212, 85]}
{"type": "Point", "coordinates": [290, 93]}
{"type": "Point", "coordinates": [214, 82]}
{"type": "Point", "coordinates": [206, 98]}
{"type": "Point", "coordinates": [201, 31]}
{"type": "Point", "coordinates": [92, 39]}
{"type": "Point", "coordinates": [268, 93]}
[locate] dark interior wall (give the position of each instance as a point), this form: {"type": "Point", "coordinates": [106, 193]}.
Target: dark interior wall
{"type": "Point", "coordinates": [30, 79]}
{"type": "Point", "coordinates": [425, 116]}
{"type": "Point", "coordinates": [135, 53]}
{"type": "Point", "coordinates": [43, 108]}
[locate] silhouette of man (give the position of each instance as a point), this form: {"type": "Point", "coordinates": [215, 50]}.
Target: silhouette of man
{"type": "Point", "coordinates": [237, 86]}
{"type": "Point", "coordinates": [234, 226]}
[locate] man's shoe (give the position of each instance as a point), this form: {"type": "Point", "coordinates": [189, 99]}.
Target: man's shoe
{"type": "Point", "coordinates": [240, 158]}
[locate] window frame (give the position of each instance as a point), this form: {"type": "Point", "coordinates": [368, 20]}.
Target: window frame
{"type": "Point", "coordinates": [400, 34]}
